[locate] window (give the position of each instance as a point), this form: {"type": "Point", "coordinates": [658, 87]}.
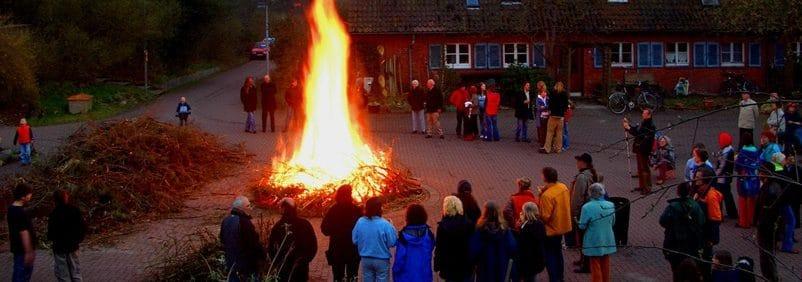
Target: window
{"type": "Point", "coordinates": [539, 55]}
{"type": "Point", "coordinates": [618, 1]}
{"type": "Point", "coordinates": [511, 2]}
{"type": "Point", "coordinates": [705, 54]}
{"type": "Point", "coordinates": [598, 57]}
{"type": "Point", "coordinates": [676, 54]}
{"type": "Point", "coordinates": [458, 56]}
{"type": "Point", "coordinates": [487, 55]}
{"type": "Point", "coordinates": [435, 56]}
{"type": "Point", "coordinates": [710, 2]}
{"type": "Point", "coordinates": [621, 54]}
{"type": "Point", "coordinates": [516, 53]}
{"type": "Point", "coordinates": [732, 54]}
{"type": "Point", "coordinates": [754, 54]}
{"type": "Point", "coordinates": [650, 54]}
{"type": "Point", "coordinates": [472, 4]}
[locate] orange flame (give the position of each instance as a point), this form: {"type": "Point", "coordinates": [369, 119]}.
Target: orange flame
{"type": "Point", "coordinates": [331, 152]}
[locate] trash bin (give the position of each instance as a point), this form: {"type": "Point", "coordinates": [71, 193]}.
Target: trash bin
{"type": "Point", "coordinates": [621, 225]}
{"type": "Point", "coordinates": [80, 103]}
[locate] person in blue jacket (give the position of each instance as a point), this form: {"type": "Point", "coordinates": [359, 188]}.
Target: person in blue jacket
{"type": "Point", "coordinates": [598, 216]}
{"type": "Point", "coordinates": [493, 247]}
{"type": "Point", "coordinates": [373, 237]}
{"type": "Point", "coordinates": [748, 185]}
{"type": "Point", "coordinates": [768, 147]}
{"type": "Point", "coordinates": [413, 253]}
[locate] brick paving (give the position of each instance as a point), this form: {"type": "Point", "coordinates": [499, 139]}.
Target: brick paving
{"type": "Point", "coordinates": [491, 167]}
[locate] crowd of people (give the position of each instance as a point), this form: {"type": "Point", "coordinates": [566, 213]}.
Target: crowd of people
{"type": "Point", "coordinates": [477, 107]}
{"type": "Point", "coordinates": [514, 241]}
{"type": "Point", "coordinates": [252, 97]}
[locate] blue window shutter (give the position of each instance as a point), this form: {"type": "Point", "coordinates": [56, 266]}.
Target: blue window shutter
{"type": "Point", "coordinates": [657, 54]}
{"type": "Point", "coordinates": [644, 57]}
{"type": "Point", "coordinates": [494, 56]}
{"type": "Point", "coordinates": [597, 57]}
{"type": "Point", "coordinates": [699, 57]}
{"type": "Point", "coordinates": [779, 55]}
{"type": "Point", "coordinates": [480, 55]}
{"type": "Point", "coordinates": [538, 60]}
{"type": "Point", "coordinates": [754, 54]}
{"type": "Point", "coordinates": [435, 56]}
{"type": "Point", "coordinates": [712, 54]}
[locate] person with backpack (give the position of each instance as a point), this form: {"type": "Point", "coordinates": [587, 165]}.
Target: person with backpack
{"type": "Point", "coordinates": [413, 254]}
{"type": "Point", "coordinates": [683, 220]}
{"type": "Point", "coordinates": [748, 185]}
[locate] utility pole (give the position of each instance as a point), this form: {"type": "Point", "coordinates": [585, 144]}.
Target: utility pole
{"type": "Point", "coordinates": [267, 35]}
{"type": "Point", "coordinates": [145, 51]}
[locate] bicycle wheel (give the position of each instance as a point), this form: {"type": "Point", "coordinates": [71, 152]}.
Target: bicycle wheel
{"type": "Point", "coordinates": [617, 103]}
{"type": "Point", "coordinates": [647, 100]}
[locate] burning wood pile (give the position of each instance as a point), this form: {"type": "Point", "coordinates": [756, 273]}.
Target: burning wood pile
{"type": "Point", "coordinates": [331, 150]}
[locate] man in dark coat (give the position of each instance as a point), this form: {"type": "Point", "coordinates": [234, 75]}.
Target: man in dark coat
{"type": "Point", "coordinates": [243, 251]}
{"type": "Point", "coordinates": [523, 113]}
{"type": "Point", "coordinates": [292, 244]}
{"type": "Point", "coordinates": [683, 220]}
{"type": "Point", "coordinates": [770, 200]}
{"type": "Point", "coordinates": [434, 106]}
{"type": "Point", "coordinates": [66, 229]}
{"type": "Point", "coordinates": [338, 223]}
{"type": "Point", "coordinates": [642, 147]}
{"type": "Point", "coordinates": [268, 90]}
{"type": "Point", "coordinates": [294, 96]}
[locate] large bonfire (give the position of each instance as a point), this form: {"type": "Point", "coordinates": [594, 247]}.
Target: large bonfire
{"type": "Point", "coordinates": [330, 152]}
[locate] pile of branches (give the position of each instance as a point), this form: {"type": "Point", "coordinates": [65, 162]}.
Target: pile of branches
{"type": "Point", "coordinates": [121, 171]}
{"type": "Point", "coordinates": [196, 257]}
{"type": "Point", "coordinates": [396, 187]}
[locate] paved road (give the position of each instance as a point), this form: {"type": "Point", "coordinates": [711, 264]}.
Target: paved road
{"type": "Point", "coordinates": [492, 167]}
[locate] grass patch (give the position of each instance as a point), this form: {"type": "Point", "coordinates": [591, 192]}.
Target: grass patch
{"type": "Point", "coordinates": [109, 100]}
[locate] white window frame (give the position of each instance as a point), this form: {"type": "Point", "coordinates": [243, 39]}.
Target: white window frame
{"type": "Point", "coordinates": [676, 62]}
{"type": "Point", "coordinates": [515, 53]}
{"type": "Point", "coordinates": [798, 50]}
{"type": "Point", "coordinates": [620, 49]}
{"type": "Point", "coordinates": [730, 51]}
{"type": "Point", "coordinates": [457, 64]}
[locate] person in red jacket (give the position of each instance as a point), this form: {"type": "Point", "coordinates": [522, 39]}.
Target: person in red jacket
{"type": "Point", "coordinates": [24, 137]}
{"type": "Point", "coordinates": [491, 115]}
{"type": "Point", "coordinates": [512, 212]}
{"type": "Point", "coordinates": [249, 99]}
{"type": "Point", "coordinates": [458, 99]}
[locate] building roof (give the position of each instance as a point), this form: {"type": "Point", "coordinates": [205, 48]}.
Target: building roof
{"type": "Point", "coordinates": [527, 16]}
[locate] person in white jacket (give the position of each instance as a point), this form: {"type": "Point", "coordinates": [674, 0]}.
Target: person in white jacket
{"type": "Point", "coordinates": [747, 117]}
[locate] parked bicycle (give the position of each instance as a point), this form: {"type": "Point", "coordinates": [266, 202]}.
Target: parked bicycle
{"type": "Point", "coordinates": [621, 101]}
{"type": "Point", "coordinates": [736, 83]}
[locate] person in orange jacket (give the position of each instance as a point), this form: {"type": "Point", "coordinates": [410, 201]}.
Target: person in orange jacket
{"type": "Point", "coordinates": [458, 99]}
{"type": "Point", "coordinates": [491, 115]}
{"type": "Point", "coordinates": [710, 200]}
{"type": "Point", "coordinates": [24, 137]}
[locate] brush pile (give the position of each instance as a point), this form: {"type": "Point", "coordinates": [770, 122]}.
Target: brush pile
{"type": "Point", "coordinates": [125, 170]}
{"type": "Point", "coordinates": [396, 188]}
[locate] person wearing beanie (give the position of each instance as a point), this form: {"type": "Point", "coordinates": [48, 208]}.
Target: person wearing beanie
{"type": "Point", "coordinates": [725, 167]}
{"type": "Point", "coordinates": [469, 204]}
{"type": "Point", "coordinates": [768, 146]}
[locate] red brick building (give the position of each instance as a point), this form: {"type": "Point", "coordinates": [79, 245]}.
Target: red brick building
{"type": "Point", "coordinates": [656, 40]}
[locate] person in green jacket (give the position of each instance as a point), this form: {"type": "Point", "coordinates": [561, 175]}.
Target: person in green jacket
{"type": "Point", "coordinates": [682, 219]}
{"type": "Point", "coordinates": [598, 216]}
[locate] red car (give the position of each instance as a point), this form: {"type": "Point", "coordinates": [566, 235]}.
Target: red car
{"type": "Point", "coordinates": [259, 51]}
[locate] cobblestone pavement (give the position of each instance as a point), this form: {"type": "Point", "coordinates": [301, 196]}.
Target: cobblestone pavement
{"type": "Point", "coordinates": [491, 167]}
